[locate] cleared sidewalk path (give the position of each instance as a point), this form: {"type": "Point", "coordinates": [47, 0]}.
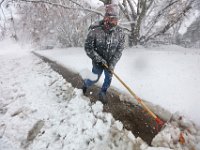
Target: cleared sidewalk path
{"type": "Point", "coordinates": [132, 116]}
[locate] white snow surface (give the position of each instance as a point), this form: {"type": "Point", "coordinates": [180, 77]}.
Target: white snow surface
{"type": "Point", "coordinates": [167, 76]}
{"type": "Point", "coordinates": [40, 110]}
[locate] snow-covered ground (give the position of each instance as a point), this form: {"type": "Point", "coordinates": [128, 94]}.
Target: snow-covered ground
{"type": "Point", "coordinates": [36, 101]}
{"type": "Point", "coordinates": [166, 76]}
{"type": "Point", "coordinates": [40, 110]}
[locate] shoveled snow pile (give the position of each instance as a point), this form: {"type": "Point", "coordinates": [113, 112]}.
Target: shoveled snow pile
{"type": "Point", "coordinates": [40, 110]}
{"type": "Point", "coordinates": [179, 133]}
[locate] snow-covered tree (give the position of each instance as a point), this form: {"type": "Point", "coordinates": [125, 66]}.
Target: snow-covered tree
{"type": "Point", "coordinates": [50, 25]}
{"type": "Point", "coordinates": [65, 23]}
{"type": "Point", "coordinates": [149, 19]}
{"type": "Point", "coordinates": [7, 20]}
{"type": "Point", "coordinates": [192, 36]}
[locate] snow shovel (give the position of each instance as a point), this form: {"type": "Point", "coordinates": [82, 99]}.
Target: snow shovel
{"type": "Point", "coordinates": [139, 100]}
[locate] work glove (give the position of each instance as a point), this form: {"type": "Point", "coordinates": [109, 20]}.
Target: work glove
{"type": "Point", "coordinates": [100, 61]}
{"type": "Point", "coordinates": [110, 68]}
{"type": "Point", "coordinates": [104, 62]}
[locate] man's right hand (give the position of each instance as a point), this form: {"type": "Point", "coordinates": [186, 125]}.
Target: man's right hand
{"type": "Point", "coordinates": [100, 61]}
{"type": "Point", "coordinates": [104, 62]}
{"type": "Point", "coordinates": [110, 68]}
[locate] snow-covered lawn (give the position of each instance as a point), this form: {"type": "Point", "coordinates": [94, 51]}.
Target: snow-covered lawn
{"type": "Point", "coordinates": [166, 76]}
{"type": "Point", "coordinates": [40, 110]}
{"type": "Point", "coordinates": [36, 101]}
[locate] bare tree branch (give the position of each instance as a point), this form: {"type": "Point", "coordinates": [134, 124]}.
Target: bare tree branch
{"type": "Point", "coordinates": [2, 11]}
{"type": "Point", "coordinates": [170, 24]}
{"type": "Point", "coordinates": [150, 4]}
{"type": "Point", "coordinates": [132, 8]}
{"type": "Point", "coordinates": [159, 15]}
{"type": "Point", "coordinates": [1, 2]}
{"type": "Point", "coordinates": [124, 10]}
{"type": "Point", "coordinates": [63, 6]}
{"type": "Point", "coordinates": [4, 129]}
{"type": "Point", "coordinates": [76, 3]}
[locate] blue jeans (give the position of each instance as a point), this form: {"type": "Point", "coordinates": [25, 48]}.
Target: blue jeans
{"type": "Point", "coordinates": [98, 70]}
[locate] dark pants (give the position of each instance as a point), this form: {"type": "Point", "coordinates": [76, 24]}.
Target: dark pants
{"type": "Point", "coordinates": [98, 69]}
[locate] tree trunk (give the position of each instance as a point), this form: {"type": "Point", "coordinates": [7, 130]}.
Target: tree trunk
{"type": "Point", "coordinates": [131, 36]}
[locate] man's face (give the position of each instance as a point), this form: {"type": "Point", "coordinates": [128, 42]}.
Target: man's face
{"type": "Point", "coordinates": [111, 21]}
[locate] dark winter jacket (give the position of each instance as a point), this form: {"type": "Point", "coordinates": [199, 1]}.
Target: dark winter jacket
{"type": "Point", "coordinates": [104, 45]}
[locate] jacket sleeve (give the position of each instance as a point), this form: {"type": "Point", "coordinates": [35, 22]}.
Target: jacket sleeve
{"type": "Point", "coordinates": [90, 47]}
{"type": "Point", "coordinates": [120, 47]}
